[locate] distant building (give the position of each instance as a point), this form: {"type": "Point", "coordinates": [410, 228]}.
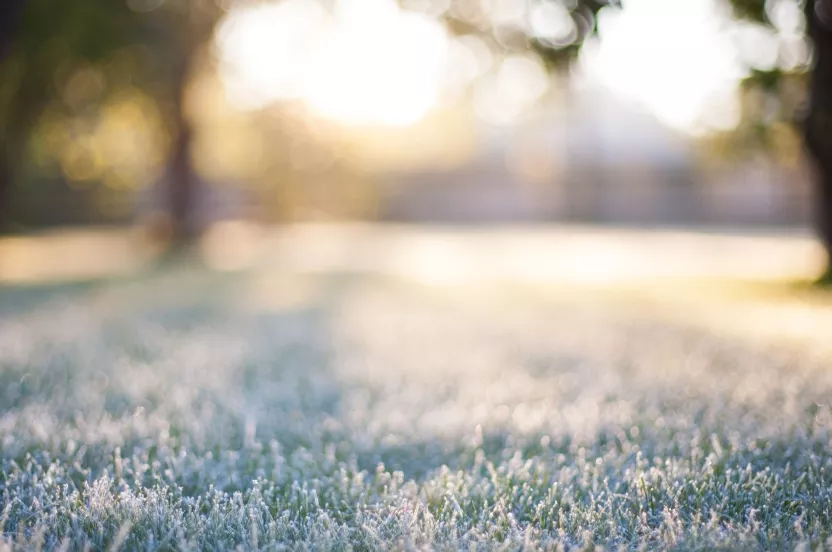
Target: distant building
{"type": "Point", "coordinates": [600, 161]}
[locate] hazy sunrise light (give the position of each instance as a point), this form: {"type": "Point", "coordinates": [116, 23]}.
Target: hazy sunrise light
{"type": "Point", "coordinates": [368, 62]}
{"type": "Point", "coordinates": [371, 62]}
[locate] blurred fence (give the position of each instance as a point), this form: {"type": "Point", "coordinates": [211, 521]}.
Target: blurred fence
{"type": "Point", "coordinates": [758, 194]}
{"type": "Point", "coordinates": [770, 196]}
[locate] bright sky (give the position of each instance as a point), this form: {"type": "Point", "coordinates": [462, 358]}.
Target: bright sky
{"type": "Point", "coordinates": [371, 63]}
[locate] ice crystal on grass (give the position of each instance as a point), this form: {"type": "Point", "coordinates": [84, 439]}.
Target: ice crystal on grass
{"type": "Point", "coordinates": [380, 416]}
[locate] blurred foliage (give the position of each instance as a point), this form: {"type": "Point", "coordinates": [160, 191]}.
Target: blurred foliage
{"type": "Point", "coordinates": [66, 61]}
{"type": "Point", "coordinates": [53, 43]}
{"type": "Point", "coordinates": [306, 173]}
{"type": "Point", "coordinates": [771, 104]}
{"type": "Point", "coordinates": [121, 144]}
{"type": "Point", "coordinates": [751, 10]}
{"type": "Point", "coordinates": [584, 14]}
{"type": "Point", "coordinates": [91, 93]}
{"type": "Point", "coordinates": [772, 99]}
{"type": "Point", "coordinates": [96, 97]}
{"type": "Point", "coordinates": [554, 29]}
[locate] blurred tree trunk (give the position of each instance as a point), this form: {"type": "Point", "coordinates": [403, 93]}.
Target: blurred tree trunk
{"type": "Point", "coordinates": [6, 180]}
{"type": "Point", "coordinates": [182, 181]}
{"type": "Point", "coordinates": [187, 33]}
{"type": "Point", "coordinates": [27, 103]}
{"type": "Point", "coordinates": [10, 13]}
{"type": "Point", "coordinates": [818, 123]}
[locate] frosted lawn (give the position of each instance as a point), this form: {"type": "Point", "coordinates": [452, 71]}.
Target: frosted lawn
{"type": "Point", "coordinates": [367, 414]}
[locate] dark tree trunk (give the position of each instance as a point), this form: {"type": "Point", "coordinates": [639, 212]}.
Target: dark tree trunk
{"type": "Point", "coordinates": [10, 12]}
{"type": "Point", "coordinates": [182, 187]}
{"type": "Point", "coordinates": [182, 181]}
{"type": "Point", "coordinates": [6, 181]}
{"type": "Point", "coordinates": [818, 123]}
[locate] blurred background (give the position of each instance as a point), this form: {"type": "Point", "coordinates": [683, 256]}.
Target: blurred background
{"type": "Point", "coordinates": [135, 125]}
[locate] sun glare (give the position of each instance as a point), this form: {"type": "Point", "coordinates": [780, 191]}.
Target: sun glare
{"type": "Point", "coordinates": [367, 62]}
{"type": "Point", "coordinates": [672, 55]}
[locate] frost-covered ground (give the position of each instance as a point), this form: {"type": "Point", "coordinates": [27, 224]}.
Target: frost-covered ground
{"type": "Point", "coordinates": [285, 407]}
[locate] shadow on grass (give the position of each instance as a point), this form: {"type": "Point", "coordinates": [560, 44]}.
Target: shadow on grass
{"type": "Point", "coordinates": [17, 299]}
